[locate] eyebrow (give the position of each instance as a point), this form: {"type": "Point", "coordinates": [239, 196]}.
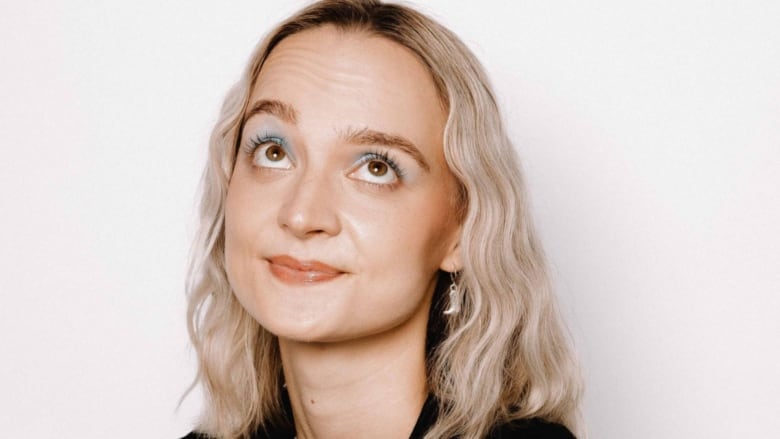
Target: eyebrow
{"type": "Point", "coordinates": [363, 136]}
{"type": "Point", "coordinates": [276, 108]}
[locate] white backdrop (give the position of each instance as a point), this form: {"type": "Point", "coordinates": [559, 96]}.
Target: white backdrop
{"type": "Point", "coordinates": [650, 132]}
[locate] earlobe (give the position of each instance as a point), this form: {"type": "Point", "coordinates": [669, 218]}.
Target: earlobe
{"type": "Point", "coordinates": [453, 262]}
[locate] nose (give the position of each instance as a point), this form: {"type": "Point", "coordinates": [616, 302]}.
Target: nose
{"type": "Point", "coordinates": [310, 209]}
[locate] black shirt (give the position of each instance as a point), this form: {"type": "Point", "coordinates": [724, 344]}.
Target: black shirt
{"type": "Point", "coordinates": [518, 429]}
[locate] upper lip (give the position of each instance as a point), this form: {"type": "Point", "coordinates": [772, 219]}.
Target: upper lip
{"type": "Point", "coordinates": [308, 265]}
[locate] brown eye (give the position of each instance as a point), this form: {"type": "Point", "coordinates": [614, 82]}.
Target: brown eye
{"type": "Point", "coordinates": [275, 153]}
{"type": "Point", "coordinates": [377, 168]}
{"type": "Point", "coordinates": [271, 155]}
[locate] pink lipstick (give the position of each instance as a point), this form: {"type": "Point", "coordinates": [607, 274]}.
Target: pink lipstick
{"type": "Point", "coordinates": [292, 271]}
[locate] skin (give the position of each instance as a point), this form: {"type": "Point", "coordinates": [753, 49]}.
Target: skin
{"type": "Point", "coordinates": [352, 343]}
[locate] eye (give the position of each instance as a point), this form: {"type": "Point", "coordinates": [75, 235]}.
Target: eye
{"type": "Point", "coordinates": [271, 155]}
{"type": "Point", "coordinates": [377, 169]}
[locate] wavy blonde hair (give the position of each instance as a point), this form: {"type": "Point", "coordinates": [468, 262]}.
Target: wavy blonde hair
{"type": "Point", "coordinates": [504, 356]}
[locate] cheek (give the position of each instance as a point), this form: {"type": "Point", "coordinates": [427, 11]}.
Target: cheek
{"type": "Point", "coordinates": [241, 225]}
{"type": "Point", "coordinates": [243, 222]}
{"type": "Point", "coordinates": [233, 234]}
{"type": "Point", "coordinates": [235, 215]}
{"type": "Point", "coordinates": [409, 234]}
{"type": "Point", "coordinates": [246, 205]}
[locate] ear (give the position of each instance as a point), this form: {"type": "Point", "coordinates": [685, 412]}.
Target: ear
{"type": "Point", "coordinates": [453, 260]}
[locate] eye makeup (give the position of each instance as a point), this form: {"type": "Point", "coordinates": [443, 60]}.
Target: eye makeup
{"type": "Point", "coordinates": [266, 150]}
{"type": "Point", "coordinates": [360, 171]}
{"type": "Point", "coordinates": [266, 137]}
{"type": "Point", "coordinates": [377, 170]}
{"type": "Point", "coordinates": [382, 156]}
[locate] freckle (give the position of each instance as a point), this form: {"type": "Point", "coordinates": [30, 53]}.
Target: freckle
{"type": "Point", "coordinates": [312, 401]}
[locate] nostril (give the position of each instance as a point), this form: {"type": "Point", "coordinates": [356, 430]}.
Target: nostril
{"type": "Point", "coordinates": [309, 212]}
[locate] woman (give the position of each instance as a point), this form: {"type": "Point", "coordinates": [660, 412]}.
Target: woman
{"type": "Point", "coordinates": [366, 265]}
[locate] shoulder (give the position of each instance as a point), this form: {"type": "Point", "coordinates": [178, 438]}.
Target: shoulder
{"type": "Point", "coordinates": [279, 433]}
{"type": "Point", "coordinates": [530, 429]}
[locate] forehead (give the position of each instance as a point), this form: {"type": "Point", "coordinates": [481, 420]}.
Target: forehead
{"type": "Point", "coordinates": [341, 77]}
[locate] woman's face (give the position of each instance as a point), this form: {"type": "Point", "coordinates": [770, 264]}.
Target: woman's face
{"type": "Point", "coordinates": [340, 209]}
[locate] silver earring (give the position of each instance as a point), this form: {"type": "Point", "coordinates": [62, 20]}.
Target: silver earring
{"type": "Point", "coordinates": [454, 297]}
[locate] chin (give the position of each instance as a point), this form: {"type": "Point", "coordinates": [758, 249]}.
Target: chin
{"type": "Point", "coordinates": [301, 330]}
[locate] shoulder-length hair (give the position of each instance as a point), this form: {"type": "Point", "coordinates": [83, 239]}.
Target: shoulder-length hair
{"type": "Point", "coordinates": [505, 355]}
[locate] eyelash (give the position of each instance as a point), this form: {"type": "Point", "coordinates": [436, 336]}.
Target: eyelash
{"type": "Point", "coordinates": [383, 157]}
{"type": "Point", "coordinates": [258, 141]}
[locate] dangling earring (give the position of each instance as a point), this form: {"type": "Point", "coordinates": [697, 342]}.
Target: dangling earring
{"type": "Point", "coordinates": [454, 296]}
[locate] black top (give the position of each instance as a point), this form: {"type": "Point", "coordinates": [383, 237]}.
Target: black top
{"type": "Point", "coordinates": [518, 429]}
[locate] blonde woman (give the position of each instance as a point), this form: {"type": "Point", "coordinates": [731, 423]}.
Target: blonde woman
{"type": "Point", "coordinates": [366, 266]}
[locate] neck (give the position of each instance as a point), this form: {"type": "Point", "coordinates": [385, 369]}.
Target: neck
{"type": "Point", "coordinates": [370, 387]}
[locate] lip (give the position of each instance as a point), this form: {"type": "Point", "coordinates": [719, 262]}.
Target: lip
{"type": "Point", "coordinates": [292, 271]}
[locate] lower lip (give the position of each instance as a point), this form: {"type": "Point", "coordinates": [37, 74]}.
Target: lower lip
{"type": "Point", "coordinates": [299, 277]}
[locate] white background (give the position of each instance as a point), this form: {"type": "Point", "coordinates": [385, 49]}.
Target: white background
{"type": "Point", "coordinates": [650, 132]}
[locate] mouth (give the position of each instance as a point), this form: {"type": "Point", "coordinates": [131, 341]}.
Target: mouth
{"type": "Point", "coordinates": [292, 271]}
